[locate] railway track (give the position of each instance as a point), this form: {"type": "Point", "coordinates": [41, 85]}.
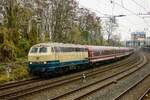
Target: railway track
{"type": "Point", "coordinates": [126, 94]}
{"type": "Point", "coordinates": [134, 85]}
{"type": "Point", "coordinates": [140, 89]}
{"type": "Point", "coordinates": [18, 83]}
{"type": "Point", "coordinates": [146, 95]}
{"type": "Point", "coordinates": [24, 91]}
{"type": "Point", "coordinates": [81, 92]}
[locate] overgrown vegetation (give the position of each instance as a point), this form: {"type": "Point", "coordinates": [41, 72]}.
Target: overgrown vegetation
{"type": "Point", "coordinates": [17, 72]}
{"type": "Point", "coordinates": [27, 23]}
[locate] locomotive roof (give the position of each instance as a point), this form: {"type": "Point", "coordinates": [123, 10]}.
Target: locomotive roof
{"type": "Point", "coordinates": [58, 44]}
{"type": "Point", "coordinates": [77, 45]}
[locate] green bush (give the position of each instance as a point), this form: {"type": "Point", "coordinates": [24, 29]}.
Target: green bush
{"type": "Point", "coordinates": [7, 52]}
{"type": "Point", "coordinates": [7, 47]}
{"type": "Point", "coordinates": [23, 47]}
{"type": "Point", "coordinates": [2, 69]}
{"type": "Point", "coordinates": [20, 72]}
{"type": "Point", "coordinates": [3, 78]}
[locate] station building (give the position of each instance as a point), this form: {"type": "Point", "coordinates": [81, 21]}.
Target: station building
{"type": "Point", "coordinates": [137, 39]}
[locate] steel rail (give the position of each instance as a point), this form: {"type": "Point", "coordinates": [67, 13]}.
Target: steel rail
{"type": "Point", "coordinates": [79, 89]}
{"type": "Point", "coordinates": [54, 83]}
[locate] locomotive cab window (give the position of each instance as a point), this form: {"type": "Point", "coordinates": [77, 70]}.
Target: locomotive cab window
{"type": "Point", "coordinates": [34, 50]}
{"type": "Point", "coordinates": [43, 50]}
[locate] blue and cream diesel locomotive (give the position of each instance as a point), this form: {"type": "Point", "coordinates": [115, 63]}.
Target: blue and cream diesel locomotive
{"type": "Point", "coordinates": [49, 58]}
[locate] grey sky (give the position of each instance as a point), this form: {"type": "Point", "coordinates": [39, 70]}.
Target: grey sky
{"type": "Point", "coordinates": [130, 22]}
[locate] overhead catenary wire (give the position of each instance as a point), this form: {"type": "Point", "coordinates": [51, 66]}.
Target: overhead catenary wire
{"type": "Point", "coordinates": [131, 12]}
{"type": "Point", "coordinates": [139, 5]}
{"type": "Point", "coordinates": [120, 5]}
{"type": "Point", "coordinates": [144, 9]}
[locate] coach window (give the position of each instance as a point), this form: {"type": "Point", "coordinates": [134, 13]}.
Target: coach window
{"type": "Point", "coordinates": [82, 49]}
{"type": "Point", "coordinates": [43, 50]}
{"type": "Point", "coordinates": [110, 51]}
{"type": "Point", "coordinates": [70, 49]}
{"type": "Point", "coordinates": [100, 52]}
{"type": "Point", "coordinates": [57, 49]}
{"type": "Point", "coordinates": [105, 52]}
{"type": "Point", "coordinates": [77, 49]}
{"type": "Point", "coordinates": [54, 49]}
{"type": "Point", "coordinates": [96, 53]}
{"type": "Point", "coordinates": [64, 49]}
{"type": "Point", "coordinates": [34, 50]}
{"type": "Point", "coordinates": [85, 50]}
{"type": "Point", "coordinates": [61, 49]}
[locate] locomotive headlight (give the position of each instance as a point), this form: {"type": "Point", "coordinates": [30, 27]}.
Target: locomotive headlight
{"type": "Point", "coordinates": [45, 62]}
{"type": "Point", "coordinates": [30, 62]}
